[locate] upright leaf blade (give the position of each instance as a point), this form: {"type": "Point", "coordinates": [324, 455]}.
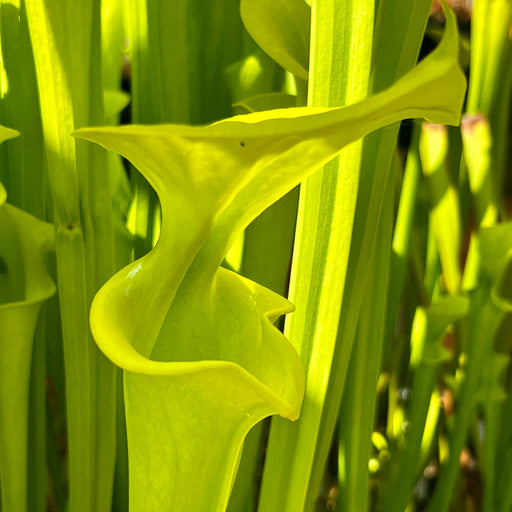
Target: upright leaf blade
{"type": "Point", "coordinates": [342, 36]}
{"type": "Point", "coordinates": [67, 52]}
{"type": "Point", "coordinates": [444, 202]}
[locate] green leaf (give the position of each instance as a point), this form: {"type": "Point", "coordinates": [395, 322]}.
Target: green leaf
{"type": "Point", "coordinates": [494, 243]}
{"type": "Point", "coordinates": [201, 357]}
{"type": "Point", "coordinates": [492, 385]}
{"type": "Point", "coordinates": [281, 28]}
{"type": "Point", "coordinates": [24, 285]}
{"type": "Point", "coordinates": [7, 133]}
{"type": "Point", "coordinates": [439, 316]}
{"type": "Point", "coordinates": [66, 41]}
{"type": "Point", "coordinates": [489, 303]}
{"type": "Point", "coordinates": [317, 329]}
{"type": "Point", "coordinates": [115, 101]}
{"type": "Point", "coordinates": [201, 408]}
{"type": "Point", "coordinates": [483, 321]}
{"type": "Point", "coordinates": [444, 202]}
{"type": "Point", "coordinates": [477, 144]}
{"type": "Point", "coordinates": [268, 101]}
{"type": "Point", "coordinates": [427, 355]}
{"type": "Point", "coordinates": [113, 38]}
{"type": "Point", "coordinates": [253, 75]}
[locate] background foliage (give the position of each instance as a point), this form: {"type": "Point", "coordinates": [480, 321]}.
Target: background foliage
{"type": "Point", "coordinates": [396, 255]}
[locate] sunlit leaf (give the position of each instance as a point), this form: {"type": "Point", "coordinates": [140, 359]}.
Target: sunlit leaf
{"type": "Point", "coordinates": [7, 133]}
{"type": "Point", "coordinates": [444, 201]}
{"type": "Point", "coordinates": [267, 101]}
{"type": "Point", "coordinates": [115, 102]}
{"type": "Point", "coordinates": [200, 354]}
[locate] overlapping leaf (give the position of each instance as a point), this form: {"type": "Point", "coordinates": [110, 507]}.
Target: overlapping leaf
{"type": "Point", "coordinates": [202, 358]}
{"type": "Point", "coordinates": [24, 284]}
{"type": "Point", "coordinates": [281, 29]}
